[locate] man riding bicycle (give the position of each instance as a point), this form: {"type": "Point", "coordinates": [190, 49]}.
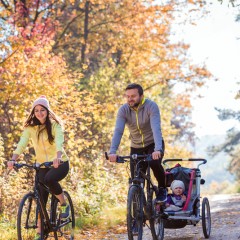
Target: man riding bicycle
{"type": "Point", "coordinates": [142, 116]}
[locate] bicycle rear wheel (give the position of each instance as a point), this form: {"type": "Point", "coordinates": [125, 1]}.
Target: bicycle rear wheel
{"type": "Point", "coordinates": [156, 222]}
{"type": "Point", "coordinates": [65, 227]}
{"type": "Point", "coordinates": [135, 213]}
{"type": "Point", "coordinates": [27, 218]}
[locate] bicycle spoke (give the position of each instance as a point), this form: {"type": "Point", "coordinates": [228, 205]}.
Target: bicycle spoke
{"type": "Point", "coordinates": [135, 214]}
{"type": "Point", "coordinates": [65, 227]}
{"type": "Point", "coordinates": [156, 222]}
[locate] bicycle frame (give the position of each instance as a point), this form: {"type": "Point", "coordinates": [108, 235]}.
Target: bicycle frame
{"type": "Point", "coordinates": [140, 178]}
{"type": "Point", "coordinates": [37, 193]}
{"type": "Point", "coordinates": [41, 206]}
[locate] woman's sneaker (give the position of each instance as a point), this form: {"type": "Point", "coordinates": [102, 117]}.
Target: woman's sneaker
{"type": "Point", "coordinates": [37, 236]}
{"type": "Point", "coordinates": [64, 211]}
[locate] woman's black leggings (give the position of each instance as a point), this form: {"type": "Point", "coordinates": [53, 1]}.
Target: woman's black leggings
{"type": "Point", "coordinates": [51, 177]}
{"type": "Point", "coordinates": [155, 165]}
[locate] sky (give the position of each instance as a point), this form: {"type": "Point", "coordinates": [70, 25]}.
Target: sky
{"type": "Point", "coordinates": [215, 40]}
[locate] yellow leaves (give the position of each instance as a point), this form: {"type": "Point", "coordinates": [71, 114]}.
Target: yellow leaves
{"type": "Point", "coordinates": [166, 8]}
{"type": "Point", "coordinates": [84, 66]}
{"type": "Point", "coordinates": [183, 101]}
{"type": "Point", "coordinates": [203, 72]}
{"type": "Point", "coordinates": [174, 63]}
{"type": "Point", "coordinates": [72, 2]}
{"type": "Point", "coordinates": [82, 127]}
{"type": "Point", "coordinates": [9, 135]}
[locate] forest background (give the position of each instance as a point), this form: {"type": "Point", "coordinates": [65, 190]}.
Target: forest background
{"type": "Point", "coordinates": [81, 55]}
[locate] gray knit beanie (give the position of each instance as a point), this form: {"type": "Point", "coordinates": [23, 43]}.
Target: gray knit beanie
{"type": "Point", "coordinates": [177, 183]}
{"type": "Point", "coordinates": [41, 101]}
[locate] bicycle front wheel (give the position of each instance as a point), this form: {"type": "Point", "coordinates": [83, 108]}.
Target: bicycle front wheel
{"type": "Point", "coordinates": [135, 213]}
{"type": "Point", "coordinates": [156, 222]}
{"type": "Point", "coordinates": [27, 218]}
{"type": "Point", "coordinates": [65, 228]}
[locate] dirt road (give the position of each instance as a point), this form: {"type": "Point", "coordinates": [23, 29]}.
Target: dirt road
{"type": "Point", "coordinates": [225, 214]}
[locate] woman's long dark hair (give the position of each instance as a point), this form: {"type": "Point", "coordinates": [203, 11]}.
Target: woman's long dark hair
{"type": "Point", "coordinates": [33, 121]}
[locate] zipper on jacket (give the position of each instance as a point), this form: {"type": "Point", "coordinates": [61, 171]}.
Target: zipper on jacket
{"type": "Point", "coordinates": [139, 128]}
{"type": "Point", "coordinates": [44, 148]}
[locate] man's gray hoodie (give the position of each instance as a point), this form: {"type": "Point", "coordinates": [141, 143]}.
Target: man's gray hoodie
{"type": "Point", "coordinates": [144, 126]}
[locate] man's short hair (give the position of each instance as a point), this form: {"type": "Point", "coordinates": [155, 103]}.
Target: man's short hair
{"type": "Point", "coordinates": [135, 86]}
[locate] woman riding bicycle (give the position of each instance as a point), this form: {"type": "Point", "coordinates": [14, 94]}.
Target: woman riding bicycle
{"type": "Point", "coordinates": [45, 130]}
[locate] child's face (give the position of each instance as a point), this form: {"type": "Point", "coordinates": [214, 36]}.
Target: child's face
{"type": "Point", "coordinates": [178, 191]}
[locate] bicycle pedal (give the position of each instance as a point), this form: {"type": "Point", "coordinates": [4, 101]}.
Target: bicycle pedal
{"type": "Point", "coordinates": [64, 220]}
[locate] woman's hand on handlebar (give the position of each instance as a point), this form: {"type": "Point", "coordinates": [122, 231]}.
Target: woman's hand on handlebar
{"type": "Point", "coordinates": [57, 162]}
{"type": "Point", "coordinates": [10, 164]}
{"type": "Point", "coordinates": [156, 155]}
{"type": "Point", "coordinates": [112, 157]}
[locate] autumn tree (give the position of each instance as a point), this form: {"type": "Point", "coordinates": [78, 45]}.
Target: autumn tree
{"type": "Point", "coordinates": [81, 55]}
{"type": "Point", "coordinates": [94, 35]}
{"type": "Point", "coordinates": [36, 71]}
{"type": "Point", "coordinates": [232, 141]}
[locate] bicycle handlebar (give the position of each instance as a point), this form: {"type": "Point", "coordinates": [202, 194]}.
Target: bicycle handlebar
{"type": "Point", "coordinates": [204, 161]}
{"type": "Point", "coordinates": [122, 159]}
{"type": "Point", "coordinates": [34, 166]}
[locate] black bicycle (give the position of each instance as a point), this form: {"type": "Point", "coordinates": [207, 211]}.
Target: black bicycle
{"type": "Point", "coordinates": [140, 206]}
{"type": "Point", "coordinates": [32, 208]}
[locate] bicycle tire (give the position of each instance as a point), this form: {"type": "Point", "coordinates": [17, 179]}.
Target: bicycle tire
{"type": "Point", "coordinates": [27, 217]}
{"type": "Point", "coordinates": [206, 218]}
{"type": "Point", "coordinates": [66, 231]}
{"type": "Point", "coordinates": [135, 213]}
{"type": "Point", "coordinates": [156, 222]}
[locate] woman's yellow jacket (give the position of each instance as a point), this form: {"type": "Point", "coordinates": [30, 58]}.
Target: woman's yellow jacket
{"type": "Point", "coordinates": [43, 149]}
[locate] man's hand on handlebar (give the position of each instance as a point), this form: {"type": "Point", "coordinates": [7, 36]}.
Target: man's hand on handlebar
{"type": "Point", "coordinates": [112, 157]}
{"type": "Point", "coordinates": [156, 155]}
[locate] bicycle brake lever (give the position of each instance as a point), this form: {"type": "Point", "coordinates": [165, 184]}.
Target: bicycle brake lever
{"type": "Point", "coordinates": [149, 157]}
{"type": "Point", "coordinates": [48, 164]}
{"type": "Point", "coordinates": [17, 166]}
{"type": "Point", "coordinates": [120, 160]}
{"type": "Point", "coordinates": [106, 156]}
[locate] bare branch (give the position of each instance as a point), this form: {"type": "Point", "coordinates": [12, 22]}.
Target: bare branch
{"type": "Point", "coordinates": [66, 28]}
{"type": "Point", "coordinates": [6, 5]}
{"type": "Point", "coordinates": [9, 56]}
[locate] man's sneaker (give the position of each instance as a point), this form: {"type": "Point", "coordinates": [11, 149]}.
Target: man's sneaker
{"type": "Point", "coordinates": [162, 195]}
{"type": "Point", "coordinates": [37, 236]}
{"type": "Point", "coordinates": [135, 230]}
{"type": "Point", "coordinates": [64, 211]}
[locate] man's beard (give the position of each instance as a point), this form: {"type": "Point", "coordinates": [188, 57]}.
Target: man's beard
{"type": "Point", "coordinates": [136, 104]}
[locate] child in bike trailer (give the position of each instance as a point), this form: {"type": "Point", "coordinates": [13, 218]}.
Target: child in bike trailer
{"type": "Point", "coordinates": [45, 130]}
{"type": "Point", "coordinates": [176, 200]}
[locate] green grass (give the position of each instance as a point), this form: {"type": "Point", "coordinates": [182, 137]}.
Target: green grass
{"type": "Point", "coordinates": [108, 219]}
{"type": "Point", "coordinates": [8, 230]}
